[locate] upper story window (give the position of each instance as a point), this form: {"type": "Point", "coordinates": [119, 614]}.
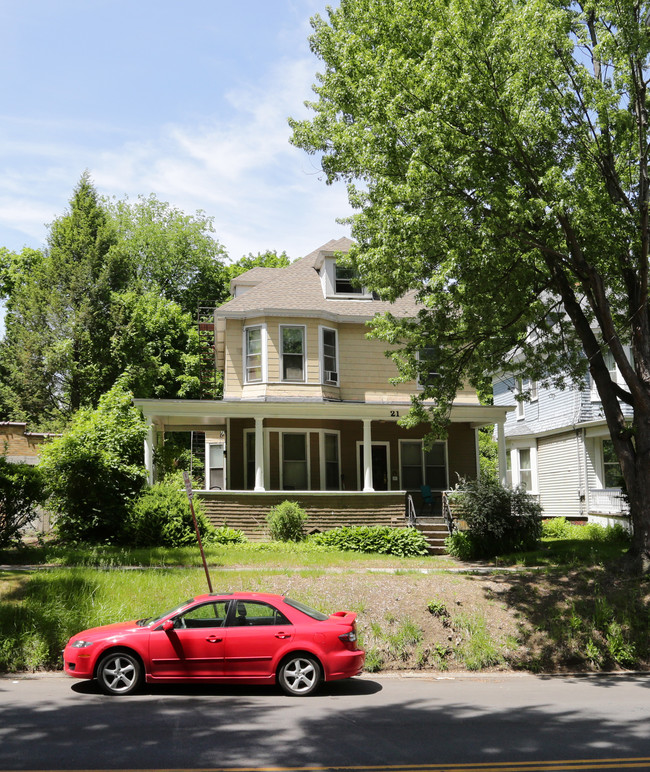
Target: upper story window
{"type": "Point", "coordinates": [426, 372]}
{"type": "Point", "coordinates": [292, 353]}
{"type": "Point", "coordinates": [614, 374]}
{"type": "Point", "coordinates": [346, 281]}
{"type": "Point", "coordinates": [341, 281]}
{"type": "Point", "coordinates": [254, 339]}
{"type": "Point", "coordinates": [529, 388]}
{"type": "Point", "coordinates": [329, 356]}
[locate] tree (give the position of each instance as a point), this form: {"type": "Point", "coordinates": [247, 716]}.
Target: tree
{"type": "Point", "coordinates": [94, 471]}
{"type": "Point", "coordinates": [166, 251]}
{"type": "Point", "coordinates": [21, 493]}
{"type": "Point", "coordinates": [57, 344]}
{"type": "Point", "coordinates": [114, 293]}
{"type": "Point", "coordinates": [497, 154]}
{"type": "Point", "coordinates": [268, 259]}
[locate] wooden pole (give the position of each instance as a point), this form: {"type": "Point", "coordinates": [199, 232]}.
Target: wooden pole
{"type": "Point", "coordinates": [188, 489]}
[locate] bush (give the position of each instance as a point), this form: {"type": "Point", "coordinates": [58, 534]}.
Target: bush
{"type": "Point", "coordinates": [556, 528]}
{"type": "Point", "coordinates": [404, 542]}
{"type": "Point", "coordinates": [21, 492]}
{"type": "Point", "coordinates": [226, 535]}
{"type": "Point", "coordinates": [95, 470]}
{"type": "Point", "coordinates": [459, 545]}
{"type": "Point", "coordinates": [500, 520]}
{"type": "Point", "coordinates": [286, 521]}
{"type": "Point", "coordinates": [161, 517]}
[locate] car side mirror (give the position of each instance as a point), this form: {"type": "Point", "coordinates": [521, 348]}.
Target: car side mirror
{"type": "Point", "coordinates": [168, 625]}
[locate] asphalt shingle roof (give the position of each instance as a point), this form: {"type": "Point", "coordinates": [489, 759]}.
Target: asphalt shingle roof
{"type": "Point", "coordinates": [298, 288]}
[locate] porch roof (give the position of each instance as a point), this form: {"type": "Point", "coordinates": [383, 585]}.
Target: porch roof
{"type": "Point", "coordinates": [187, 412]}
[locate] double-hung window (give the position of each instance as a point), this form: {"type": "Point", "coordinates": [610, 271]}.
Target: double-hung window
{"type": "Point", "coordinates": [346, 281]}
{"type": "Point", "coordinates": [329, 356]}
{"type": "Point", "coordinates": [292, 353]}
{"type": "Point", "coordinates": [254, 354]}
{"type": "Point", "coordinates": [423, 467]}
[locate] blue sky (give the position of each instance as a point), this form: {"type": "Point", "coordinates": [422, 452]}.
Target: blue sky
{"type": "Point", "coordinates": [188, 101]}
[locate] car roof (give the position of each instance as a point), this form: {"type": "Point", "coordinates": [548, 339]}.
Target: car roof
{"type": "Point", "coordinates": [263, 596]}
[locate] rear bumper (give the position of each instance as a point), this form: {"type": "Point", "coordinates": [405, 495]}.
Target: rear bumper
{"type": "Point", "coordinates": [345, 664]}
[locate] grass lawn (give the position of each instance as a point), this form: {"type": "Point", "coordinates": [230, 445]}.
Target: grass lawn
{"type": "Point", "coordinates": [578, 611]}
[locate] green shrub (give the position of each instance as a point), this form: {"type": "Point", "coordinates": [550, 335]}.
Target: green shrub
{"type": "Point", "coordinates": [286, 521]}
{"type": "Point", "coordinates": [95, 470]}
{"type": "Point", "coordinates": [161, 517]}
{"type": "Point", "coordinates": [21, 491]}
{"type": "Point", "coordinates": [556, 528]}
{"type": "Point", "coordinates": [404, 542]}
{"type": "Point", "coordinates": [500, 520]}
{"type": "Point", "coordinates": [459, 545]}
{"type": "Point", "coordinates": [226, 535]}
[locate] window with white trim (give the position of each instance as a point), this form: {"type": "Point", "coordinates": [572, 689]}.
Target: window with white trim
{"type": "Point", "coordinates": [332, 464]}
{"type": "Point", "coordinates": [527, 387]}
{"type": "Point", "coordinates": [522, 468]}
{"type": "Point", "coordinates": [346, 281]}
{"type": "Point", "coordinates": [614, 374]}
{"type": "Point", "coordinates": [612, 475]}
{"type": "Point", "coordinates": [295, 464]}
{"type": "Point", "coordinates": [423, 467]}
{"type": "Point", "coordinates": [329, 356]}
{"type": "Point", "coordinates": [253, 354]}
{"type": "Point", "coordinates": [292, 353]}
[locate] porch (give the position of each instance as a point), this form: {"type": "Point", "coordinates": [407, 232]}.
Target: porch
{"type": "Point", "coordinates": [607, 501]}
{"type": "Point", "coordinates": [246, 511]}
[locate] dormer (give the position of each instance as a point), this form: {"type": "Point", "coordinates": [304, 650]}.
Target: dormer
{"type": "Point", "coordinates": [337, 281]}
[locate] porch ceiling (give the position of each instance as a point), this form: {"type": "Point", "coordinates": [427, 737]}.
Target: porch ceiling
{"type": "Point", "coordinates": [214, 413]}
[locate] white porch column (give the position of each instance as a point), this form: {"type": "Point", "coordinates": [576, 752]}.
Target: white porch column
{"type": "Point", "coordinates": [149, 444]}
{"type": "Point", "coordinates": [367, 456]}
{"type": "Point", "coordinates": [259, 454]}
{"type": "Point", "coordinates": [501, 446]}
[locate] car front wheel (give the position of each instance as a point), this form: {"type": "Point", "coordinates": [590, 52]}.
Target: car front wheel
{"type": "Point", "coordinates": [119, 673]}
{"type": "Point", "coordinates": [300, 675]}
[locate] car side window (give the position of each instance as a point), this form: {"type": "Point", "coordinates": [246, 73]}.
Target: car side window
{"type": "Point", "coordinates": [205, 615]}
{"type": "Point", "coordinates": [251, 613]}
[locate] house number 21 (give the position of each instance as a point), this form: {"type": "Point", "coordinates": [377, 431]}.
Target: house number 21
{"type": "Point", "coordinates": [394, 413]}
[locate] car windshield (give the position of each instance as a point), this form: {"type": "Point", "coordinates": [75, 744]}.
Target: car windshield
{"type": "Point", "coordinates": [311, 612]}
{"type": "Point", "coordinates": [148, 621]}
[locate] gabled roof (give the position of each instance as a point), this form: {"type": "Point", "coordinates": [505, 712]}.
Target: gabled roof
{"type": "Point", "coordinates": [297, 290]}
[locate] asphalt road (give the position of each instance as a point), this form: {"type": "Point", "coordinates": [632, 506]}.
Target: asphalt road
{"type": "Point", "coordinates": [495, 722]}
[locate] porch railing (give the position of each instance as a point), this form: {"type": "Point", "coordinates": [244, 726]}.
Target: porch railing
{"type": "Point", "coordinates": [446, 513]}
{"type": "Point", "coordinates": [609, 501]}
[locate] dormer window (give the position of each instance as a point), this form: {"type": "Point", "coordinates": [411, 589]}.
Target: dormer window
{"type": "Point", "coordinates": [346, 281]}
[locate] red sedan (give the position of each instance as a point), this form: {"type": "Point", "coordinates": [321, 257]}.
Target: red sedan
{"type": "Point", "coordinates": [244, 637]}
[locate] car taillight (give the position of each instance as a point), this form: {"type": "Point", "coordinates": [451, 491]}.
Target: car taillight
{"type": "Point", "coordinates": [349, 639]}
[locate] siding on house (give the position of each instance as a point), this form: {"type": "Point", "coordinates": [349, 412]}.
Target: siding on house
{"type": "Point", "coordinates": [558, 469]}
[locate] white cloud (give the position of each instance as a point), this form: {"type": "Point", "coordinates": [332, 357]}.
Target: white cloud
{"type": "Point", "coordinates": [238, 167]}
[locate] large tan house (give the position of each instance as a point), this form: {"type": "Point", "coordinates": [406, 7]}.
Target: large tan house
{"type": "Point", "coordinates": [308, 410]}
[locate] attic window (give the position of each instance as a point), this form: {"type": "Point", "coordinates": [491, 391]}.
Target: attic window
{"type": "Point", "coordinates": [346, 281]}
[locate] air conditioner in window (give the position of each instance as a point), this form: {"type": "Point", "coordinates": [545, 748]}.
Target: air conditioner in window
{"type": "Point", "coordinates": [331, 376]}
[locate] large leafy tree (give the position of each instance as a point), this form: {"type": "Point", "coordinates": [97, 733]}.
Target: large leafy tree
{"type": "Point", "coordinates": [114, 293]}
{"type": "Point", "coordinates": [166, 251]}
{"type": "Point", "coordinates": [497, 154]}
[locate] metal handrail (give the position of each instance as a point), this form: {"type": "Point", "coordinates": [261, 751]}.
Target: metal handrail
{"type": "Point", "coordinates": [411, 517]}
{"type": "Point", "coordinates": [446, 512]}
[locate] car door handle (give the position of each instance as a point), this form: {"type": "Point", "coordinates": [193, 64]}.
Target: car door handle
{"type": "Point", "coordinates": [282, 635]}
{"type": "Point", "coordinates": [214, 639]}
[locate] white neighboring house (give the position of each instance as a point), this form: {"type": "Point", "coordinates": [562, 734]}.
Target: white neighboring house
{"type": "Point", "coordinates": [557, 445]}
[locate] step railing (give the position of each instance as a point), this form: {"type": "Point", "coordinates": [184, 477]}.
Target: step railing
{"type": "Point", "coordinates": [446, 513]}
{"type": "Point", "coordinates": [409, 511]}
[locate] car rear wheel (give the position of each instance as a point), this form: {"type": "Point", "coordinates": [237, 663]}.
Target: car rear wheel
{"type": "Point", "coordinates": [300, 675]}
{"type": "Point", "coordinates": [119, 673]}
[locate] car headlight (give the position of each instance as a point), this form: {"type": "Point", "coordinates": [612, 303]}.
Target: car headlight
{"type": "Point", "coordinates": [81, 644]}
